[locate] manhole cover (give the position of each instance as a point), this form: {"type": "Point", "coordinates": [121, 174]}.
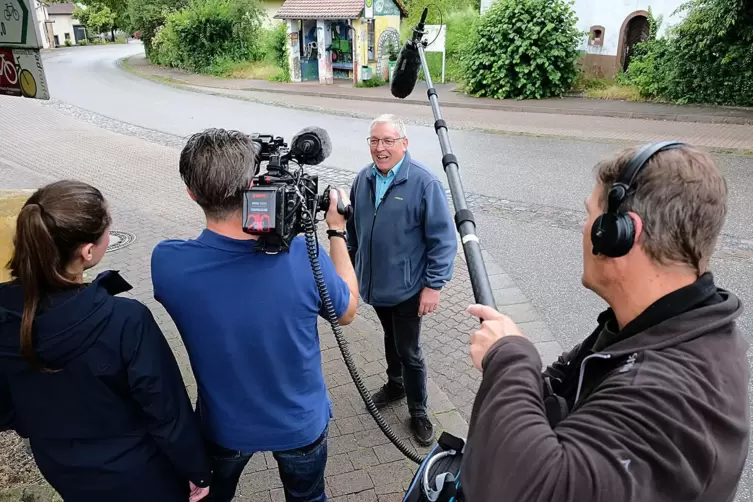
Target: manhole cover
{"type": "Point", "coordinates": [119, 240]}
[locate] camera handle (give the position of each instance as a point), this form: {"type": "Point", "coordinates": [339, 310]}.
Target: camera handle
{"type": "Point", "coordinates": [344, 210]}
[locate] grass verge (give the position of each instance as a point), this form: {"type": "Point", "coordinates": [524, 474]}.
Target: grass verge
{"type": "Point", "coordinates": [615, 92]}
{"type": "Point", "coordinates": [255, 70]}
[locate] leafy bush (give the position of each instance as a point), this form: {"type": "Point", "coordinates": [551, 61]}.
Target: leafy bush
{"type": "Point", "coordinates": [704, 59]}
{"type": "Point", "coordinates": [524, 49]}
{"type": "Point", "coordinates": [207, 31]}
{"type": "Point", "coordinates": [439, 10]}
{"type": "Point", "coordinates": [146, 17]}
{"type": "Point", "coordinates": [459, 26]}
{"type": "Point", "coordinates": [274, 45]}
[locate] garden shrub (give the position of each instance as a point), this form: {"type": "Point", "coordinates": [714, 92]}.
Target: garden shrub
{"type": "Point", "coordinates": [208, 31]}
{"type": "Point", "coordinates": [706, 58]}
{"type": "Point", "coordinates": [523, 49]}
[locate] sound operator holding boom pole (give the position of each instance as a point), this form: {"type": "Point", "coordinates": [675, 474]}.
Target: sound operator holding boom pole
{"type": "Point", "coordinates": [653, 405]}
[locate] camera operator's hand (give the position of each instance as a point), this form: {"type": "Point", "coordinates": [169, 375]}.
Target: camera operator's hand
{"type": "Point", "coordinates": [335, 220]}
{"type": "Point", "coordinates": [494, 327]}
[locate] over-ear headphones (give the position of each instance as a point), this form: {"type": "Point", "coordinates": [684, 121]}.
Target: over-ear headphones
{"type": "Point", "coordinates": [613, 233]}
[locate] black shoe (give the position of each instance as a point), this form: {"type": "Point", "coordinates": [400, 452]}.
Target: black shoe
{"type": "Point", "coordinates": [387, 394]}
{"type": "Point", "coordinates": [423, 430]}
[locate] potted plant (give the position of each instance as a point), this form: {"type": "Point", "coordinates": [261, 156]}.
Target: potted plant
{"type": "Point", "coordinates": [392, 51]}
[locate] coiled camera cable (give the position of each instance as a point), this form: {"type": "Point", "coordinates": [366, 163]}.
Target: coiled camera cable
{"type": "Point", "coordinates": [313, 252]}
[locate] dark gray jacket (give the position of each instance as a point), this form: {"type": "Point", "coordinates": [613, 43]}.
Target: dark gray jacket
{"type": "Point", "coordinates": [659, 415]}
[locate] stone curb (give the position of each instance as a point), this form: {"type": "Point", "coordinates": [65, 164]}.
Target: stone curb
{"type": "Point", "coordinates": [591, 112]}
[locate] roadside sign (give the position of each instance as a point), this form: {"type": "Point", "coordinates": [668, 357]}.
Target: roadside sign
{"type": "Point", "coordinates": [17, 24]}
{"type": "Point", "coordinates": [22, 74]}
{"type": "Point", "coordinates": [21, 69]}
{"type": "Point", "coordinates": [435, 38]}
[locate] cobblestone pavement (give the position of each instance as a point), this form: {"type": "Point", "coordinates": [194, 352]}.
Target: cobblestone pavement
{"type": "Point", "coordinates": [140, 180]}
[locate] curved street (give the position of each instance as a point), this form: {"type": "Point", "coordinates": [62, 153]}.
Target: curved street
{"type": "Point", "coordinates": [527, 192]}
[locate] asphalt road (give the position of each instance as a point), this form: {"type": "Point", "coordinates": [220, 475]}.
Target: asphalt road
{"type": "Point", "coordinates": [542, 182]}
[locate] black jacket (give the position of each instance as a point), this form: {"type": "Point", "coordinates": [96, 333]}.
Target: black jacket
{"type": "Point", "coordinates": [118, 402]}
{"type": "Point", "coordinates": [655, 412]}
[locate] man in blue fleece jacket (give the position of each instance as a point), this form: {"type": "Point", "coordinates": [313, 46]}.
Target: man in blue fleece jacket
{"type": "Point", "coordinates": [403, 244]}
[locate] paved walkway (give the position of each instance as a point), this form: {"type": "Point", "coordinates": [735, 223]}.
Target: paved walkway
{"type": "Point", "coordinates": [140, 180]}
{"type": "Point", "coordinates": [450, 98]}
{"type": "Point", "coordinates": [543, 121]}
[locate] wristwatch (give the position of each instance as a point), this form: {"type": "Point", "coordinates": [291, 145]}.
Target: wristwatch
{"type": "Point", "coordinates": [336, 233]}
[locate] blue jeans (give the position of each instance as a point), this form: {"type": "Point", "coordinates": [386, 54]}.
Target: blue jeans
{"type": "Point", "coordinates": [301, 471]}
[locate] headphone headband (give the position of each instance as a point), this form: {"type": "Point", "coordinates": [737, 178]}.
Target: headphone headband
{"type": "Point", "coordinates": [612, 233]}
{"type": "Point", "coordinates": [625, 181]}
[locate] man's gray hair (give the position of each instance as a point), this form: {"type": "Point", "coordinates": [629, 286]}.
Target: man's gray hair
{"type": "Point", "coordinates": [217, 166]}
{"type": "Point", "coordinates": [392, 120]}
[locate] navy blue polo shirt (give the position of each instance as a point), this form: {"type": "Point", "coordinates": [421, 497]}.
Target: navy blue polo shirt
{"type": "Point", "coordinates": [249, 324]}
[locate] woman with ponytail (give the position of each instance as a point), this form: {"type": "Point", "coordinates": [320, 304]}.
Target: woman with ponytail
{"type": "Point", "coordinates": [88, 376]}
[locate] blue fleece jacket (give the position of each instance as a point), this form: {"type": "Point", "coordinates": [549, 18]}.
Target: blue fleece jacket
{"type": "Point", "coordinates": [408, 242]}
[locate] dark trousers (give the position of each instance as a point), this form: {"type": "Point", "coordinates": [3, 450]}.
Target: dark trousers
{"type": "Point", "coordinates": [406, 367]}
{"type": "Point", "coordinates": [301, 471]}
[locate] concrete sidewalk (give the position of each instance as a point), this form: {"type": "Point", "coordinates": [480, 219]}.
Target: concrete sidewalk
{"type": "Point", "coordinates": [450, 98]}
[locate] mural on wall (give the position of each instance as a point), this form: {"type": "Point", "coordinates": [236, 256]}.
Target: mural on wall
{"type": "Point", "coordinates": [389, 35]}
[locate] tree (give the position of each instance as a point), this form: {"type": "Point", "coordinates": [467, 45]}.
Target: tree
{"type": "Point", "coordinates": [97, 18]}
{"type": "Point", "coordinates": [118, 8]}
{"type": "Point", "coordinates": [147, 16]}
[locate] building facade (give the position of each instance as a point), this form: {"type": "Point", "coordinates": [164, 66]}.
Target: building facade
{"type": "Point", "coordinates": [66, 30]}
{"type": "Point", "coordinates": [613, 28]}
{"type": "Point", "coordinates": [341, 39]}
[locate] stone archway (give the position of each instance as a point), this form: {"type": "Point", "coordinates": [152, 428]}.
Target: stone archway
{"type": "Point", "coordinates": [387, 36]}
{"type": "Point", "coordinates": [634, 29]}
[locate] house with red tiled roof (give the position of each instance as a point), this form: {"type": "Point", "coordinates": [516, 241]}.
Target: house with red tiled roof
{"type": "Point", "coordinates": [334, 40]}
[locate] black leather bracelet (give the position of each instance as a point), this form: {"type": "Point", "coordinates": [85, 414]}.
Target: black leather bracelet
{"type": "Point", "coordinates": [336, 233]}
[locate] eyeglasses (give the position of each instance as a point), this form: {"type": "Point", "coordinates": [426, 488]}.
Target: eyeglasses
{"type": "Point", "coordinates": [388, 142]}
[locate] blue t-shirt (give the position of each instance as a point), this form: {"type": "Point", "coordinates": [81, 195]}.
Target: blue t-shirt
{"type": "Point", "coordinates": [249, 324]}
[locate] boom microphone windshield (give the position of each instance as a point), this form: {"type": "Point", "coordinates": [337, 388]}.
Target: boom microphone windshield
{"type": "Point", "coordinates": [311, 145]}
{"type": "Point", "coordinates": [406, 71]}
{"type": "Point", "coordinates": [408, 63]}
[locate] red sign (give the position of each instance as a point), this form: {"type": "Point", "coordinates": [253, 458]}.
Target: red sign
{"type": "Point", "coordinates": [9, 77]}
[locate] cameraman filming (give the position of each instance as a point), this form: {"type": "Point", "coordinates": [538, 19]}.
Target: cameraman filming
{"type": "Point", "coordinates": [249, 324]}
{"type": "Point", "coordinates": [653, 405]}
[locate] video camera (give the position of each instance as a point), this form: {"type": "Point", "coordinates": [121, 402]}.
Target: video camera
{"type": "Point", "coordinates": [281, 203]}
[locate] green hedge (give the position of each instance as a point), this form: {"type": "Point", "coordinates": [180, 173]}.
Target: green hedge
{"type": "Point", "coordinates": [207, 32]}
{"type": "Point", "coordinates": [707, 58]}
{"type": "Point", "coordinates": [524, 49]}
